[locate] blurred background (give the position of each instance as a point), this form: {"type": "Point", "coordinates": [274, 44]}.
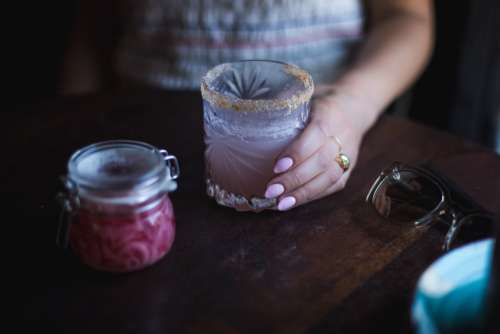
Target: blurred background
{"type": "Point", "coordinates": [459, 92]}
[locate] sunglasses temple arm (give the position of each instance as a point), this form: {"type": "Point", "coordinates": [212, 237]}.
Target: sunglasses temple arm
{"type": "Point", "coordinates": [424, 221]}
{"type": "Point", "coordinates": [459, 198]}
{"type": "Point", "coordinates": [457, 224]}
{"type": "Point", "coordinates": [452, 231]}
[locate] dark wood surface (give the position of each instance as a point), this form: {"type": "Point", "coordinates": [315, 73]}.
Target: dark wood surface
{"type": "Point", "coordinates": [329, 266]}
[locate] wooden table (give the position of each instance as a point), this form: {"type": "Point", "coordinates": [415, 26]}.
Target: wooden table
{"type": "Point", "coordinates": [329, 266]}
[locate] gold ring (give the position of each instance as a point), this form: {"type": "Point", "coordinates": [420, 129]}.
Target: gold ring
{"type": "Point", "coordinates": [343, 161]}
{"type": "Point", "coordinates": [341, 158]}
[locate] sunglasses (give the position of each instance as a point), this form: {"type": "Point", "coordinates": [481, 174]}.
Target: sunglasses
{"type": "Point", "coordinates": [421, 196]}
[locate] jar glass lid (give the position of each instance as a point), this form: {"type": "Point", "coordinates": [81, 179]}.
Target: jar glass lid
{"type": "Point", "coordinates": [257, 85]}
{"type": "Point", "coordinates": [117, 165]}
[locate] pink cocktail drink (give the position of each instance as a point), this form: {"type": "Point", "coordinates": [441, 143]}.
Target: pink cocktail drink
{"type": "Point", "coordinates": [252, 111]}
{"type": "Point", "coordinates": [243, 166]}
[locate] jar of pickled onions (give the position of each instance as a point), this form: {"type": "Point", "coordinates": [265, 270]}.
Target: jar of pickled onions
{"type": "Point", "coordinates": [117, 215]}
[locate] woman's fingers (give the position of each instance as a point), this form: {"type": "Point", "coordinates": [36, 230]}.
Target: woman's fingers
{"type": "Point", "coordinates": [337, 186]}
{"type": "Point", "coordinates": [320, 162]}
{"type": "Point", "coordinates": [307, 169]}
{"type": "Point", "coordinates": [308, 142]}
{"type": "Point", "coordinates": [319, 186]}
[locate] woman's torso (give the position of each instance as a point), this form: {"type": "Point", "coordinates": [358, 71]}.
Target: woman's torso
{"type": "Point", "coordinates": [172, 43]}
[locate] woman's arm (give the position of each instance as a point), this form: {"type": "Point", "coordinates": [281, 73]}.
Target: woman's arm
{"type": "Point", "coordinates": [396, 49]}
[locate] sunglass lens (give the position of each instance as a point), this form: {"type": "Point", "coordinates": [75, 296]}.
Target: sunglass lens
{"type": "Point", "coordinates": [406, 196]}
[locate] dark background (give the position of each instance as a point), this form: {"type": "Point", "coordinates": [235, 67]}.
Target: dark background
{"type": "Point", "coordinates": [459, 92]}
{"type": "Point", "coordinates": [40, 31]}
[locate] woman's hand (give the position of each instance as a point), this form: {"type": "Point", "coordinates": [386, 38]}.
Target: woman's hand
{"type": "Point", "coordinates": [394, 52]}
{"type": "Point", "coordinates": [307, 169]}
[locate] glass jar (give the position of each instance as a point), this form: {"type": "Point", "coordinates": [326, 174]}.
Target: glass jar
{"type": "Point", "coordinates": [117, 213]}
{"type": "Point", "coordinates": [252, 111]}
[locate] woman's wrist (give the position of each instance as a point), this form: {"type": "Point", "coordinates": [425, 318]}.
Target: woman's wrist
{"type": "Point", "coordinates": [341, 109]}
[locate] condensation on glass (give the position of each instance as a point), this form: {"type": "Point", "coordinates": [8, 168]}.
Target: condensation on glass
{"type": "Point", "coordinates": [252, 111]}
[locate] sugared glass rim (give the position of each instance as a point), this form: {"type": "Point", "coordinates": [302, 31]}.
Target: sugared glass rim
{"type": "Point", "coordinates": [153, 176]}
{"type": "Point", "coordinates": [257, 105]}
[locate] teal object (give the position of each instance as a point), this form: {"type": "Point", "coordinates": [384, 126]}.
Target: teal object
{"type": "Point", "coordinates": [451, 294]}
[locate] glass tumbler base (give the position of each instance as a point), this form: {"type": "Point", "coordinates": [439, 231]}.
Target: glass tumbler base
{"type": "Point", "coordinates": [238, 202]}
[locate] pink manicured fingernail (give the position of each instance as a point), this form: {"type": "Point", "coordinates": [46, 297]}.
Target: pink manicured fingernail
{"type": "Point", "coordinates": [286, 203]}
{"type": "Point", "coordinates": [283, 165]}
{"type": "Point", "coordinates": [274, 190]}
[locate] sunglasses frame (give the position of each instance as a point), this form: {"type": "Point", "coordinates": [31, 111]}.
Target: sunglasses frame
{"type": "Point", "coordinates": [457, 212]}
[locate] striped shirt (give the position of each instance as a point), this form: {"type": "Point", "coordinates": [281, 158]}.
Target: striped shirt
{"type": "Point", "coordinates": [173, 43]}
